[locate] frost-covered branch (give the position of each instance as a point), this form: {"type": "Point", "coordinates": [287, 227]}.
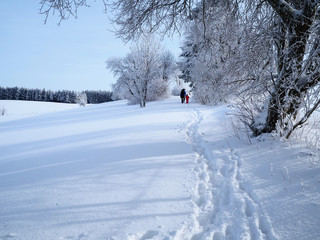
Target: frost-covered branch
{"type": "Point", "coordinates": [143, 74]}
{"type": "Point", "coordinates": [64, 8]}
{"type": "Point", "coordinates": [136, 17]}
{"type": "Point", "coordinates": [304, 118]}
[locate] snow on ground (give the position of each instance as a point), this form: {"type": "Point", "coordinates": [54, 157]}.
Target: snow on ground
{"type": "Point", "coordinates": [12, 110]}
{"type": "Point", "coordinates": [169, 171]}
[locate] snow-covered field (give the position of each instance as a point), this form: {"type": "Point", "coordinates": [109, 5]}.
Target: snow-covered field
{"type": "Point", "coordinates": [12, 110]}
{"type": "Point", "coordinates": [169, 171]}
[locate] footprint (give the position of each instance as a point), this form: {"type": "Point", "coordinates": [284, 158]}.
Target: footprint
{"type": "Point", "coordinates": [254, 231]}
{"type": "Point", "coordinates": [149, 235]}
{"type": "Point", "coordinates": [81, 236]}
{"type": "Point", "coordinates": [231, 169]}
{"type": "Point", "coordinates": [202, 188]}
{"type": "Point", "coordinates": [207, 219]}
{"type": "Point", "coordinates": [204, 176]}
{"type": "Point", "coordinates": [197, 236]}
{"type": "Point", "coordinates": [229, 233]}
{"type": "Point", "coordinates": [249, 208]}
{"type": "Point", "coordinates": [238, 176]}
{"type": "Point", "coordinates": [227, 196]}
{"type": "Point", "coordinates": [218, 236]}
{"type": "Point", "coordinates": [263, 225]}
{"type": "Point", "coordinates": [223, 171]}
{"type": "Point", "coordinates": [8, 236]}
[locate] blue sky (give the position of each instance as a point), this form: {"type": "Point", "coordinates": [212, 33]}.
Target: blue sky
{"type": "Point", "coordinates": [70, 56]}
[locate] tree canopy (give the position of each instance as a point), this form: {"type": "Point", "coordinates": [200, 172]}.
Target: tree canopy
{"type": "Point", "coordinates": [264, 53]}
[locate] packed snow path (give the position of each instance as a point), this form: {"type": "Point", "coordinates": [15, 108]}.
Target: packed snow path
{"type": "Point", "coordinates": [225, 207]}
{"type": "Point", "coordinates": [170, 171]}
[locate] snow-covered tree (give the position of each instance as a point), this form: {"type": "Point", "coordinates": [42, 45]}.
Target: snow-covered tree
{"type": "Point", "coordinates": [276, 60]}
{"type": "Point", "coordinates": [298, 62]}
{"type": "Point", "coordinates": [281, 55]}
{"type": "Point", "coordinates": [142, 76]}
{"type": "Point", "coordinates": [168, 65]}
{"type": "Point", "coordinates": [211, 46]}
{"type": "Point", "coordinates": [81, 98]}
{"type": "Point", "coordinates": [282, 66]}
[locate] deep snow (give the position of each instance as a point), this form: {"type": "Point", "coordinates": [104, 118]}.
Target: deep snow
{"type": "Point", "coordinates": [169, 171]}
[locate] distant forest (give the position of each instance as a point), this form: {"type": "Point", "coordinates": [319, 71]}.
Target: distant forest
{"type": "Point", "coordinates": [63, 96]}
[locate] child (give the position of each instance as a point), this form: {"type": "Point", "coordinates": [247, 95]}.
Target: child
{"type": "Point", "coordinates": [187, 98]}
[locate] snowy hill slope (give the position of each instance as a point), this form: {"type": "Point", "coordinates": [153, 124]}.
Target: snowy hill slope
{"type": "Point", "coordinates": [170, 171]}
{"type": "Point", "coordinates": [12, 110]}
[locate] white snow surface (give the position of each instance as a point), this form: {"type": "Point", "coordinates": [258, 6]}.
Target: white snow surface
{"type": "Point", "coordinates": [169, 171]}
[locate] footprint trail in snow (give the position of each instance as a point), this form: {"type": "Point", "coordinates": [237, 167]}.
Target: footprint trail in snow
{"type": "Point", "coordinates": [225, 206]}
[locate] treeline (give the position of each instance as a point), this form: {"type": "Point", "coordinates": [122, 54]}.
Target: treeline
{"type": "Point", "coordinates": [98, 96]}
{"type": "Point", "coordinates": [63, 96]}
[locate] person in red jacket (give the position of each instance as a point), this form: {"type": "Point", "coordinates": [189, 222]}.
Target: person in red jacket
{"type": "Point", "coordinates": [187, 98]}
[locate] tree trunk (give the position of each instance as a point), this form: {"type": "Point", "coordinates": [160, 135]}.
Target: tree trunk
{"type": "Point", "coordinates": [288, 93]}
